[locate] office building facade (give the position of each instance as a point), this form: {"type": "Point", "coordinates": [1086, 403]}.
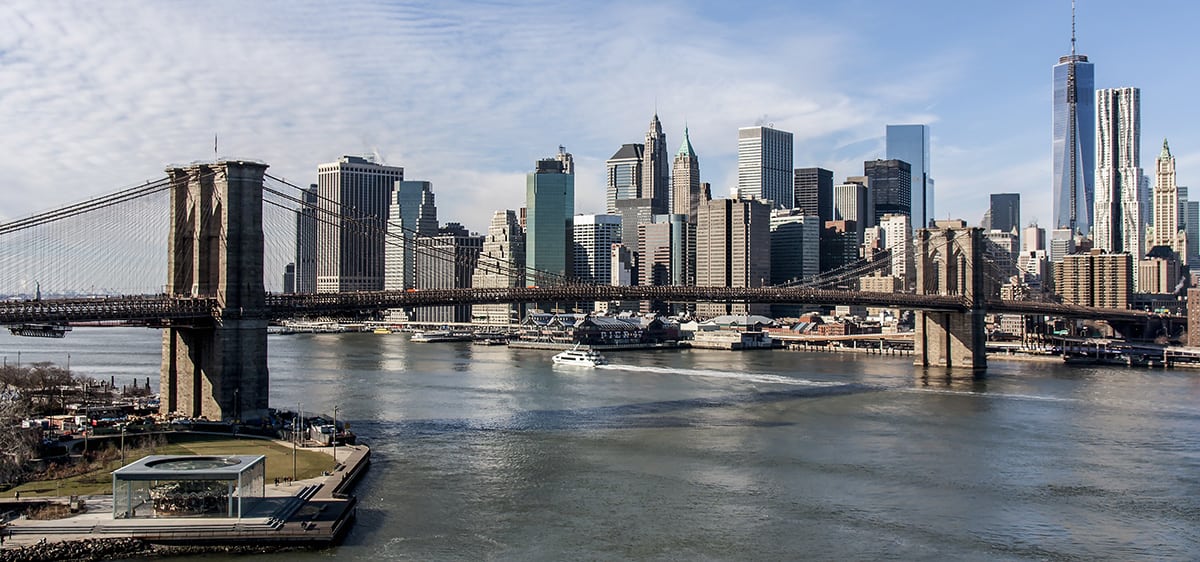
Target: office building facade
{"type": "Point", "coordinates": [685, 181]}
{"type": "Point", "coordinates": [733, 249]}
{"type": "Point", "coordinates": [593, 238]}
{"type": "Point", "coordinates": [891, 188]}
{"type": "Point", "coordinates": [549, 204]}
{"type": "Point", "coordinates": [1073, 143]}
{"type": "Point", "coordinates": [656, 168]}
{"type": "Point", "coordinates": [910, 143]}
{"type": "Point", "coordinates": [353, 198]}
{"type": "Point", "coordinates": [306, 242]}
{"type": "Point", "coordinates": [813, 189]}
{"type": "Point", "coordinates": [1004, 212]}
{"type": "Point", "coordinates": [1167, 230]}
{"type": "Point", "coordinates": [501, 264]}
{"type": "Point", "coordinates": [624, 178]}
{"type": "Point", "coordinates": [446, 260]}
{"type": "Point", "coordinates": [765, 166]}
{"type": "Point", "coordinates": [412, 213]}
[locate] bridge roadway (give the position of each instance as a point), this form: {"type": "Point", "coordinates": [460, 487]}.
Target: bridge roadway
{"type": "Point", "coordinates": [164, 310]}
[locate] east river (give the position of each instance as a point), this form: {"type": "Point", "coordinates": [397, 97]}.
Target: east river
{"type": "Point", "coordinates": [493, 453]}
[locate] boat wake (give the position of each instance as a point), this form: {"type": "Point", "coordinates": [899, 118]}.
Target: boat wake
{"type": "Point", "coordinates": [987, 394]}
{"type": "Point", "coordinates": [762, 378]}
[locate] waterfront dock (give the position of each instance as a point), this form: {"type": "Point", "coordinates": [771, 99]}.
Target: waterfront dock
{"type": "Point", "coordinates": [313, 513]}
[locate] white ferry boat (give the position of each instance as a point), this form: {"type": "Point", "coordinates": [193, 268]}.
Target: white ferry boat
{"type": "Point", "coordinates": [433, 336]}
{"type": "Point", "coordinates": [580, 357]}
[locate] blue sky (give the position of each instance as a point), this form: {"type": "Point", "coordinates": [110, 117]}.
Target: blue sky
{"type": "Point", "coordinates": [95, 96]}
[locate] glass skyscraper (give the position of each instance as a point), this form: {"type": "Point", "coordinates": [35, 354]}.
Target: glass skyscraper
{"type": "Point", "coordinates": [910, 143]}
{"type": "Point", "coordinates": [1074, 143]}
{"type": "Point", "coordinates": [550, 204]}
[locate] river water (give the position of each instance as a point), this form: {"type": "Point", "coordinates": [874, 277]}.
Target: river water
{"type": "Point", "coordinates": [493, 453]}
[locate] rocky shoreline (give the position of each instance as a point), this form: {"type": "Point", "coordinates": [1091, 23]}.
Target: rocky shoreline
{"type": "Point", "coordinates": [110, 548]}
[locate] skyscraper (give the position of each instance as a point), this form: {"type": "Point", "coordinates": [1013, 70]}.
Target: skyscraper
{"type": "Point", "coordinates": [656, 171]}
{"type": "Point", "coordinates": [685, 180]}
{"type": "Point", "coordinates": [765, 166]}
{"type": "Point", "coordinates": [850, 203]}
{"type": "Point", "coordinates": [733, 249]}
{"type": "Point", "coordinates": [910, 143]}
{"type": "Point", "coordinates": [813, 189]}
{"type": "Point", "coordinates": [891, 187]}
{"type": "Point", "coordinates": [1074, 141]}
{"type": "Point", "coordinates": [306, 242]}
{"type": "Point", "coordinates": [593, 238]}
{"type": "Point", "coordinates": [412, 213]}
{"type": "Point", "coordinates": [624, 179]}
{"type": "Point", "coordinates": [501, 264]}
{"type": "Point", "coordinates": [354, 194]}
{"type": "Point", "coordinates": [1118, 215]}
{"type": "Point", "coordinates": [1005, 212]}
{"type": "Point", "coordinates": [446, 260]}
{"type": "Point", "coordinates": [1167, 230]}
{"type": "Point", "coordinates": [549, 203]}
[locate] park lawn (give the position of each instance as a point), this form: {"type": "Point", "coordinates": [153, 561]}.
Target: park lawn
{"type": "Point", "coordinates": [309, 463]}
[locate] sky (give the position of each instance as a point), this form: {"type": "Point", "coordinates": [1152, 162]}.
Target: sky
{"type": "Point", "coordinates": [97, 96]}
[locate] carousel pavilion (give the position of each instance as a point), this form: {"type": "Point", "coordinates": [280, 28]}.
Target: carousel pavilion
{"type": "Point", "coordinates": [188, 486]}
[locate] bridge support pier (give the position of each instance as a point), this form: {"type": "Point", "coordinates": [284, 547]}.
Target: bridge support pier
{"type": "Point", "coordinates": [217, 369]}
{"type": "Point", "coordinates": [950, 262]}
{"type": "Point", "coordinates": [950, 339]}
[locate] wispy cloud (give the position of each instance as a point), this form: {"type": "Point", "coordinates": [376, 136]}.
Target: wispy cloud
{"type": "Point", "coordinates": [95, 96]}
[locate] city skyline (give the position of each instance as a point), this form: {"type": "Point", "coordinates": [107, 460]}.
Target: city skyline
{"type": "Point", "coordinates": [88, 109]}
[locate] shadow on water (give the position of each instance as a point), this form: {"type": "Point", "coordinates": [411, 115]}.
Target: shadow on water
{"type": "Point", "coordinates": [658, 414]}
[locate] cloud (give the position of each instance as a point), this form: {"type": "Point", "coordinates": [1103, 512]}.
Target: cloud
{"type": "Point", "coordinates": [466, 95]}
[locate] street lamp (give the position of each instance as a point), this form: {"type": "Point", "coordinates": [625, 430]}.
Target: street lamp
{"type": "Point", "coordinates": [122, 446]}
{"type": "Point", "coordinates": [335, 461]}
{"type": "Point", "coordinates": [295, 429]}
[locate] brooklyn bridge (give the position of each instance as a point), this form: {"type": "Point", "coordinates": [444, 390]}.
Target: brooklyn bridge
{"type": "Point", "coordinates": [223, 226]}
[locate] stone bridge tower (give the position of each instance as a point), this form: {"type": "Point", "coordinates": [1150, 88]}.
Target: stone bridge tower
{"type": "Point", "coordinates": [950, 262]}
{"type": "Point", "coordinates": [218, 368]}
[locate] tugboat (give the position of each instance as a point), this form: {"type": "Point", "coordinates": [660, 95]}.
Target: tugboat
{"type": "Point", "coordinates": [580, 357]}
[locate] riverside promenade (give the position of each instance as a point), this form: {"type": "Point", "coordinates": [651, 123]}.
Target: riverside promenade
{"type": "Point", "coordinates": [312, 513]}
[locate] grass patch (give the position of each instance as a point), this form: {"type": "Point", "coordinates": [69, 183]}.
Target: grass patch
{"type": "Point", "coordinates": [99, 480]}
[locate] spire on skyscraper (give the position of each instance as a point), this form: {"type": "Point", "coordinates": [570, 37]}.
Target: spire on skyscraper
{"type": "Point", "coordinates": [1166, 151]}
{"type": "Point", "coordinates": [686, 148]}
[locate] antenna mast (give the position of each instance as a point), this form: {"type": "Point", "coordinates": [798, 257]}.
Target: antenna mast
{"type": "Point", "coordinates": [1072, 28]}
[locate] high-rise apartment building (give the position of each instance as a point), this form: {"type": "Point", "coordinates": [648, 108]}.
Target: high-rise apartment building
{"type": "Point", "coordinates": [1167, 230]}
{"type": "Point", "coordinates": [624, 179]}
{"type": "Point", "coordinates": [1117, 225]}
{"type": "Point", "coordinates": [501, 264]}
{"type": "Point", "coordinates": [685, 181]}
{"type": "Point", "coordinates": [306, 242]}
{"type": "Point", "coordinates": [1062, 244]}
{"type": "Point", "coordinates": [765, 166]}
{"type": "Point", "coordinates": [446, 260]}
{"type": "Point", "coordinates": [412, 213]}
{"type": "Point", "coordinates": [813, 189]}
{"type": "Point", "coordinates": [593, 238]}
{"type": "Point", "coordinates": [550, 204]}
{"type": "Point", "coordinates": [733, 249]}
{"type": "Point", "coordinates": [656, 168]}
{"type": "Point", "coordinates": [1073, 146]}
{"type": "Point", "coordinates": [910, 143]}
{"type": "Point", "coordinates": [353, 198]}
{"type": "Point", "coordinates": [1095, 279]}
{"type": "Point", "coordinates": [891, 187]}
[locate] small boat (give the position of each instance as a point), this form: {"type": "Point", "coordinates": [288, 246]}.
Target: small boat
{"type": "Point", "coordinates": [434, 336]}
{"type": "Point", "coordinates": [382, 331]}
{"type": "Point", "coordinates": [580, 357]}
